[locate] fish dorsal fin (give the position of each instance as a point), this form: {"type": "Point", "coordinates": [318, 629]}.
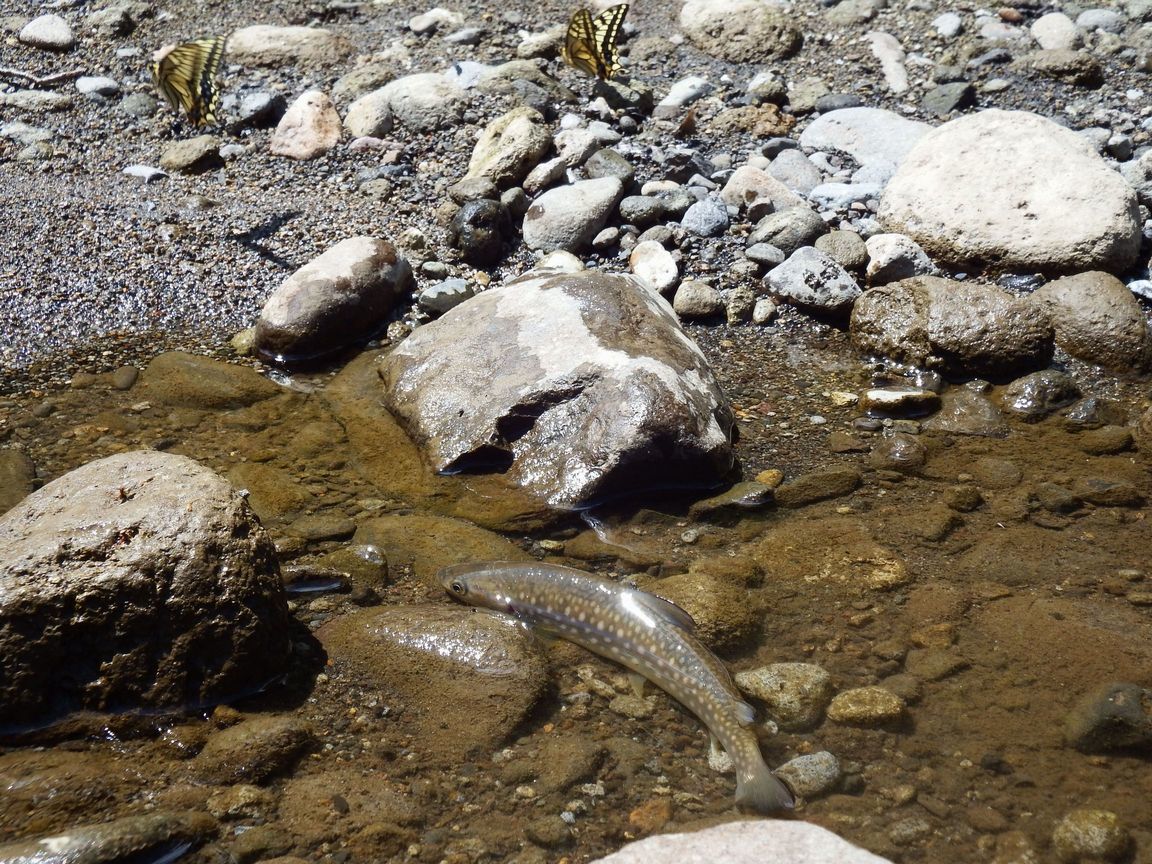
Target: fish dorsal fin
{"type": "Point", "coordinates": [667, 610]}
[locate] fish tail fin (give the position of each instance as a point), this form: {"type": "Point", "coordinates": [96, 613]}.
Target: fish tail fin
{"type": "Point", "coordinates": [758, 789]}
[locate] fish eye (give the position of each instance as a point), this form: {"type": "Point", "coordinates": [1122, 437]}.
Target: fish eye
{"type": "Point", "coordinates": [457, 588]}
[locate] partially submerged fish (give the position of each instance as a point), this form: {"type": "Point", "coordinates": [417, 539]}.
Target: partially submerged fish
{"type": "Point", "coordinates": [650, 636]}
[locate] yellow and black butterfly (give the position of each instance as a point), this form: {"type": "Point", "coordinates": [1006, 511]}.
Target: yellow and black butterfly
{"type": "Point", "coordinates": [186, 76]}
{"type": "Point", "coordinates": [590, 44]}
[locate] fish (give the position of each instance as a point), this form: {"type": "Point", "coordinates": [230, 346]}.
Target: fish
{"type": "Point", "coordinates": [645, 633]}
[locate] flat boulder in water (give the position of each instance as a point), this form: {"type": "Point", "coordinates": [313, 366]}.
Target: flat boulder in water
{"type": "Point", "coordinates": [576, 386]}
{"type": "Point", "coordinates": [139, 581]}
{"type": "Point", "coordinates": [461, 679]}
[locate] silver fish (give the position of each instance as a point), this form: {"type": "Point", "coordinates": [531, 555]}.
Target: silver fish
{"type": "Point", "coordinates": [650, 636]}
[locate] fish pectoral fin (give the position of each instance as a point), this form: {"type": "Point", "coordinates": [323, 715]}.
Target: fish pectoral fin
{"type": "Point", "coordinates": [546, 638]}
{"type": "Point", "coordinates": [637, 681]}
{"type": "Point", "coordinates": [745, 714]}
{"type": "Point", "coordinates": [715, 750]}
{"type": "Point", "coordinates": [666, 609]}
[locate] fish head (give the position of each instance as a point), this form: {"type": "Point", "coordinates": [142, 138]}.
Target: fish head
{"type": "Point", "coordinates": [478, 584]}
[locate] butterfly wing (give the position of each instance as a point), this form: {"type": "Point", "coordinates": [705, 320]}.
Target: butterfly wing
{"type": "Point", "coordinates": [580, 42]}
{"type": "Point", "coordinates": [606, 33]}
{"type": "Point", "coordinates": [186, 76]}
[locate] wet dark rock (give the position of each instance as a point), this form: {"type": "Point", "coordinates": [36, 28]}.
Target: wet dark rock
{"type": "Point", "coordinates": [242, 801]}
{"type": "Point", "coordinates": [1092, 412]}
{"type": "Point", "coordinates": [1104, 492]}
{"type": "Point", "coordinates": [483, 389]}
{"type": "Point", "coordinates": [1056, 498]}
{"type": "Point", "coordinates": [1035, 396]}
{"type": "Point", "coordinates": [840, 441]}
{"type": "Point", "coordinates": [1115, 716]}
{"type": "Point", "coordinates": [963, 412]}
{"type": "Point", "coordinates": [479, 230]}
{"type": "Point", "coordinates": [191, 381]}
{"type": "Point", "coordinates": [962, 329]}
{"type": "Point", "coordinates": [963, 498]}
{"type": "Point", "coordinates": [818, 486]}
{"type": "Point", "coordinates": [337, 299]}
{"type": "Point", "coordinates": [1106, 440]}
{"type": "Point", "coordinates": [17, 472]}
{"type": "Point", "coordinates": [138, 581]}
{"type": "Point", "coordinates": [899, 402]}
{"type": "Point", "coordinates": [562, 762]}
{"type": "Point", "coordinates": [740, 498]}
{"type": "Point", "coordinates": [464, 678]}
{"type": "Point", "coordinates": [252, 751]}
{"type": "Point", "coordinates": [1096, 318]}
{"type": "Point", "coordinates": [900, 452]}
{"type": "Point", "coordinates": [323, 526]}
{"type": "Point", "coordinates": [152, 837]}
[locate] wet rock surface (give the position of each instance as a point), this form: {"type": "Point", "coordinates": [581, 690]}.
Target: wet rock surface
{"type": "Point", "coordinates": [463, 679]}
{"type": "Point", "coordinates": [549, 419]}
{"type": "Point", "coordinates": [147, 582]}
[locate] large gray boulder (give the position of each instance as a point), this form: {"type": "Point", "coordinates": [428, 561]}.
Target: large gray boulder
{"type": "Point", "coordinates": [1015, 190]}
{"type": "Point", "coordinates": [960, 328]}
{"type": "Point", "coordinates": [576, 386]}
{"type": "Point", "coordinates": [139, 581]}
{"type": "Point", "coordinates": [335, 300]}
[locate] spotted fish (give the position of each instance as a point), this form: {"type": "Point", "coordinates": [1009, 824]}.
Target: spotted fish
{"type": "Point", "coordinates": [650, 636]}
